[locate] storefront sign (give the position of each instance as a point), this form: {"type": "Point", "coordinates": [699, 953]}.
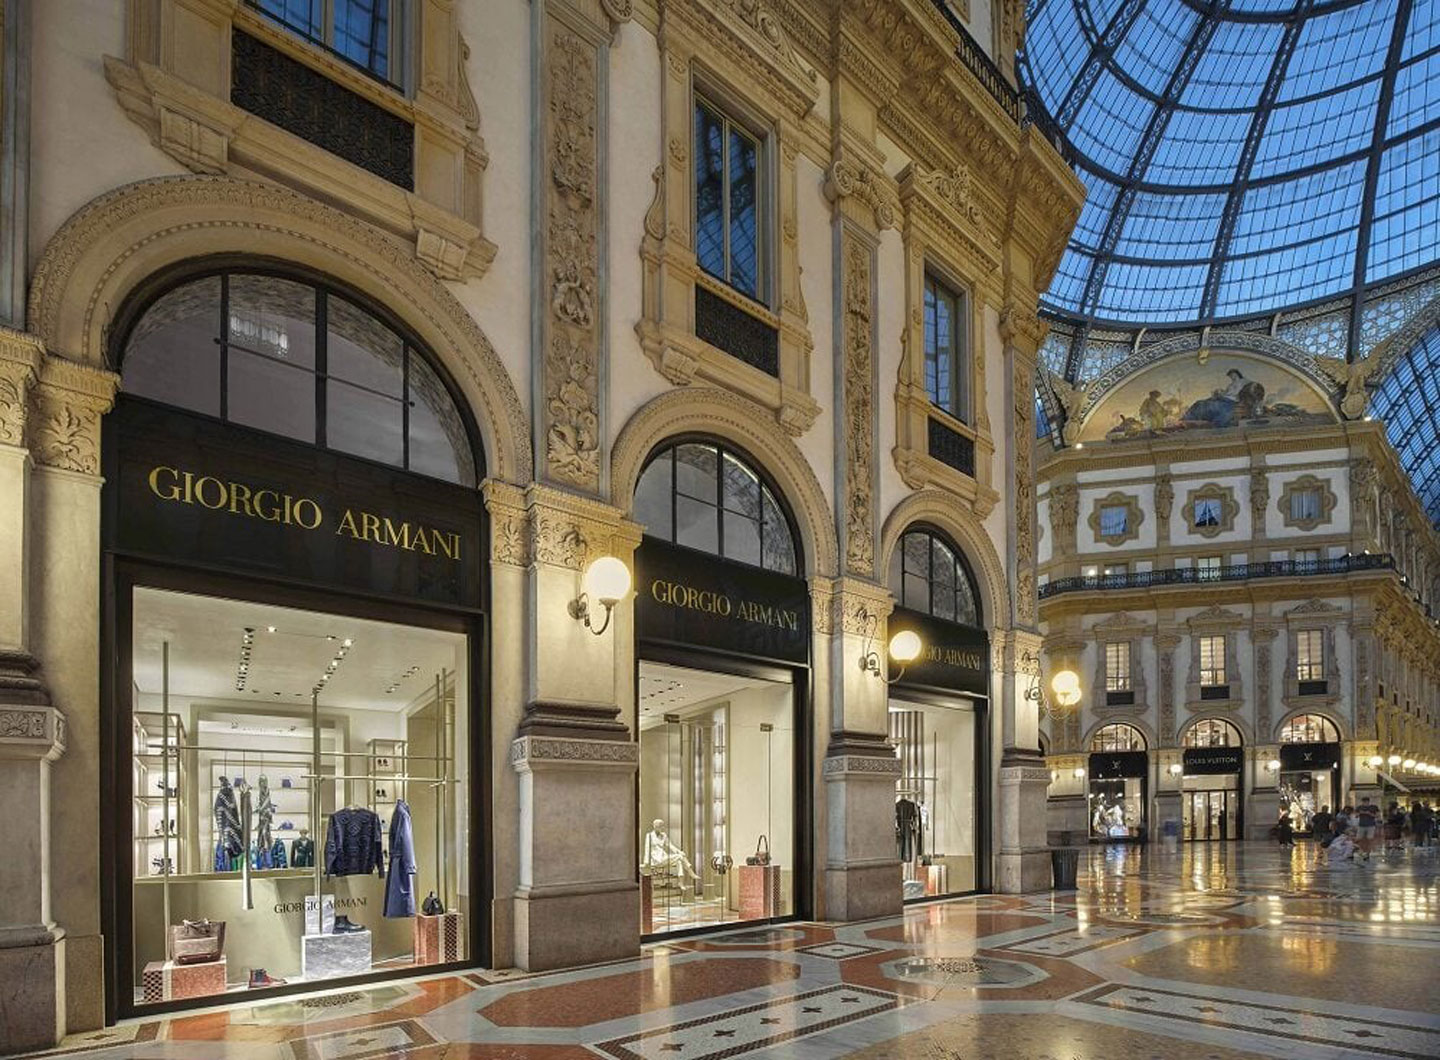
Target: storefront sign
{"type": "Point", "coordinates": [1200, 761]}
{"type": "Point", "coordinates": [1297, 757]}
{"type": "Point", "coordinates": [694, 599]}
{"type": "Point", "coordinates": [192, 489]}
{"type": "Point", "coordinates": [952, 657]}
{"type": "Point", "coordinates": [1105, 765]}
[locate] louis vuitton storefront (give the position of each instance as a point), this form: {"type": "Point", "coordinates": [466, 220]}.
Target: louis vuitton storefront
{"type": "Point", "coordinates": [294, 569]}
{"type": "Point", "coordinates": [723, 647]}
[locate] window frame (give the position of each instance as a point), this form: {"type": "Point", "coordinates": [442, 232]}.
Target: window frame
{"type": "Point", "coordinates": [767, 485]}
{"type": "Point", "coordinates": [1110, 733]}
{"type": "Point", "coordinates": [1210, 727]}
{"type": "Point", "coordinates": [935, 284]}
{"type": "Point", "coordinates": [1207, 571]}
{"type": "Point", "coordinates": [732, 117]}
{"type": "Point", "coordinates": [1310, 654]}
{"type": "Point", "coordinates": [1214, 675]}
{"type": "Point", "coordinates": [224, 268]}
{"type": "Point", "coordinates": [1124, 527]}
{"type": "Point", "coordinates": [397, 47]}
{"type": "Point", "coordinates": [1217, 517]}
{"type": "Point", "coordinates": [1308, 723]}
{"type": "Point", "coordinates": [1299, 498]}
{"type": "Point", "coordinates": [1117, 666]}
{"type": "Point", "coordinates": [962, 568]}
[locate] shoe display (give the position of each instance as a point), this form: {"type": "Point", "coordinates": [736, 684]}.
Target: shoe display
{"type": "Point", "coordinates": [345, 926]}
{"type": "Point", "coordinates": [260, 977]}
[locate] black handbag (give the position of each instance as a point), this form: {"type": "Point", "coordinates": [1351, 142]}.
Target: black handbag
{"type": "Point", "coordinates": [432, 906]}
{"type": "Point", "coordinates": [762, 852]}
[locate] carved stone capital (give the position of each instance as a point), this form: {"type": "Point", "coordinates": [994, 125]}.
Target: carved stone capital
{"type": "Point", "coordinates": [847, 178]}
{"type": "Point", "coordinates": [21, 356]}
{"type": "Point", "coordinates": [64, 423]}
{"type": "Point", "coordinates": [563, 530]}
{"type": "Point", "coordinates": [850, 605]}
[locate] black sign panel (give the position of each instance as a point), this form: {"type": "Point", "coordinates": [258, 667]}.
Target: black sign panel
{"type": "Point", "coordinates": [1107, 764]}
{"type": "Point", "coordinates": [187, 488]}
{"type": "Point", "coordinates": [952, 656]}
{"type": "Point", "coordinates": [698, 600]}
{"type": "Point", "coordinates": [1296, 757]}
{"type": "Point", "coordinates": [1200, 761]}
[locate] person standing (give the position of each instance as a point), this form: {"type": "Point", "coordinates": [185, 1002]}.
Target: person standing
{"type": "Point", "coordinates": [1367, 820]}
{"type": "Point", "coordinates": [1285, 830]}
{"type": "Point", "coordinates": [1321, 825]}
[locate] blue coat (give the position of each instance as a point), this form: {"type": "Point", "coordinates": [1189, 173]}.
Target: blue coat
{"type": "Point", "coordinates": [400, 880]}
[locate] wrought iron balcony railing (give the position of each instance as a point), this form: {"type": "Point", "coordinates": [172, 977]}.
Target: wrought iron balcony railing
{"type": "Point", "coordinates": [1235, 572]}
{"type": "Point", "coordinates": [982, 66]}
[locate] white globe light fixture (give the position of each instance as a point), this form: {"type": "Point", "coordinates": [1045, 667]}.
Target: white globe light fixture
{"type": "Point", "coordinates": [1393, 760]}
{"type": "Point", "coordinates": [1408, 764]}
{"type": "Point", "coordinates": [1066, 686]}
{"type": "Point", "coordinates": [905, 646]}
{"type": "Point", "coordinates": [607, 582]}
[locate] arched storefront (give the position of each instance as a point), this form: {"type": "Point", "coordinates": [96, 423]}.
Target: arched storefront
{"type": "Point", "coordinates": [1309, 767]}
{"type": "Point", "coordinates": [939, 718]}
{"type": "Point", "coordinates": [1213, 762]}
{"type": "Point", "coordinates": [295, 569]}
{"type": "Point", "coordinates": [722, 619]}
{"type": "Point", "coordinates": [1119, 784]}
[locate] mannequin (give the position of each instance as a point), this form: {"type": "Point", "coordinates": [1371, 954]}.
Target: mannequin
{"type": "Point", "coordinates": [659, 855]}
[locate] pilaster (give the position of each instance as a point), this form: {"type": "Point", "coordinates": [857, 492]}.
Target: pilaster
{"type": "Point", "coordinates": [1022, 860]}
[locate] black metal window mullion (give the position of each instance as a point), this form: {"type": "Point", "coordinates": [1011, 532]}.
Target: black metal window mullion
{"type": "Point", "coordinates": [405, 405]}
{"type": "Point", "coordinates": [224, 345]}
{"type": "Point", "coordinates": [322, 364]}
{"type": "Point", "coordinates": [720, 501]}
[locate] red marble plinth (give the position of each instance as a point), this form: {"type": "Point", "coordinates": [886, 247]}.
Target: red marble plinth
{"type": "Point", "coordinates": [937, 879]}
{"type": "Point", "coordinates": [437, 938]}
{"type": "Point", "coordinates": [759, 891]}
{"type": "Point", "coordinates": [647, 905]}
{"type": "Point", "coordinates": [169, 981]}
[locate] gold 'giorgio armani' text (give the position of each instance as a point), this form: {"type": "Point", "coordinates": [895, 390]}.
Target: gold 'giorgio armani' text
{"type": "Point", "coordinates": [412, 537]}
{"type": "Point", "coordinates": [715, 603]}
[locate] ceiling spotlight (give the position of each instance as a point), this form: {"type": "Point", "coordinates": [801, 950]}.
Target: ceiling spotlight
{"type": "Point", "coordinates": [347, 642]}
{"type": "Point", "coordinates": [269, 629]}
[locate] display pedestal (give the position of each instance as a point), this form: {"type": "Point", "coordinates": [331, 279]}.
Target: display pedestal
{"type": "Point", "coordinates": [647, 905]}
{"type": "Point", "coordinates": [326, 956]}
{"type": "Point", "coordinates": [169, 981]}
{"type": "Point", "coordinates": [937, 879]}
{"type": "Point", "coordinates": [759, 891]}
{"type": "Point", "coordinates": [437, 938]}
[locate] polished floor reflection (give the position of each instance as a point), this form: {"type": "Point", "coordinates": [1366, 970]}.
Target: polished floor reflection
{"type": "Point", "coordinates": [1211, 952]}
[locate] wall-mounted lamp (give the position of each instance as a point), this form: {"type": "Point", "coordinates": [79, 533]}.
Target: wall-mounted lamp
{"type": "Point", "coordinates": [1409, 763]}
{"type": "Point", "coordinates": [1176, 769]}
{"type": "Point", "coordinates": [1273, 765]}
{"type": "Point", "coordinates": [1079, 773]}
{"type": "Point", "coordinates": [905, 648]}
{"type": "Point", "coordinates": [1054, 775]}
{"type": "Point", "coordinates": [1393, 760]}
{"type": "Point", "coordinates": [1375, 762]}
{"type": "Point", "coordinates": [607, 582]}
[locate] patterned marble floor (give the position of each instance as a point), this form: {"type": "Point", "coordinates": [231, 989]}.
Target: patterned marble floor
{"type": "Point", "coordinates": [1209, 953]}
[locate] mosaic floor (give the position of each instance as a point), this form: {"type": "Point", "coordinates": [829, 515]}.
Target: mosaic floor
{"type": "Point", "coordinates": [1211, 953]}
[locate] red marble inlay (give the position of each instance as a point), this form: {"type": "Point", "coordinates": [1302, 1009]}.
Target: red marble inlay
{"type": "Point", "coordinates": [954, 928]}
{"type": "Point", "coordinates": [632, 993]}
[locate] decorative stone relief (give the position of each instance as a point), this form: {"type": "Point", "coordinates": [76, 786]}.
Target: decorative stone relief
{"type": "Point", "coordinates": [571, 412]}
{"type": "Point", "coordinates": [1164, 500]}
{"type": "Point", "coordinates": [1364, 497]}
{"type": "Point", "coordinates": [559, 542]}
{"type": "Point", "coordinates": [846, 178]}
{"type": "Point", "coordinates": [858, 424]}
{"type": "Point", "coordinates": [1165, 645]}
{"type": "Point", "coordinates": [1262, 637]}
{"type": "Point", "coordinates": [532, 748]}
{"type": "Point", "coordinates": [64, 424]}
{"type": "Point", "coordinates": [1064, 514]}
{"type": "Point", "coordinates": [1026, 599]}
{"type": "Point", "coordinates": [20, 359]}
{"type": "Point", "coordinates": [1259, 498]}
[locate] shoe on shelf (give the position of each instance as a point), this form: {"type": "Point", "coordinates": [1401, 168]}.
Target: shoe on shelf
{"type": "Point", "coordinates": [260, 977]}
{"type": "Point", "coordinates": [345, 926]}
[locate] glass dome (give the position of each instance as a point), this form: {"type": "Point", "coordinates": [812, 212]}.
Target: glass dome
{"type": "Point", "coordinates": [1241, 156]}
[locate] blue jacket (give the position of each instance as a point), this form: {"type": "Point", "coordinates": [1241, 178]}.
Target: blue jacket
{"type": "Point", "coordinates": [352, 844]}
{"type": "Point", "coordinates": [400, 883]}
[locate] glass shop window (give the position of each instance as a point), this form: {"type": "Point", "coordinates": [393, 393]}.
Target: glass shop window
{"type": "Point", "coordinates": [935, 797]}
{"type": "Point", "coordinates": [731, 215]}
{"type": "Point", "coordinates": [299, 787]}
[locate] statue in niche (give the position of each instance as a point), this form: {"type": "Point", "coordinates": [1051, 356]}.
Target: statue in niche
{"type": "Point", "coordinates": [660, 857]}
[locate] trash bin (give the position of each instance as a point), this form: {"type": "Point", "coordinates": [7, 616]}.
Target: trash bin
{"type": "Point", "coordinates": [1064, 865]}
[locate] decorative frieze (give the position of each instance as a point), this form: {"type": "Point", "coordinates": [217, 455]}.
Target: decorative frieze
{"type": "Point", "coordinates": [1263, 637]}
{"type": "Point", "coordinates": [857, 426]}
{"type": "Point", "coordinates": [1165, 645]}
{"type": "Point", "coordinates": [1026, 596]}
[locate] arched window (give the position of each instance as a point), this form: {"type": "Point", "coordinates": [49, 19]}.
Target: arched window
{"type": "Point", "coordinates": [928, 573]}
{"type": "Point", "coordinates": [298, 358]}
{"type": "Point", "coordinates": [1211, 732]}
{"type": "Point", "coordinates": [706, 496]}
{"type": "Point", "coordinates": [1117, 738]}
{"type": "Point", "coordinates": [1309, 728]}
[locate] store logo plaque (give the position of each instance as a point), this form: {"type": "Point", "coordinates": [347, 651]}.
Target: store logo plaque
{"type": "Point", "coordinates": [694, 599]}
{"type": "Point", "coordinates": [1203, 761]}
{"type": "Point", "coordinates": [189, 488]}
{"type": "Point", "coordinates": [953, 658]}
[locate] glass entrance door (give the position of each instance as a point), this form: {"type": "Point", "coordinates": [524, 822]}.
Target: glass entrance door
{"type": "Point", "coordinates": [1209, 815]}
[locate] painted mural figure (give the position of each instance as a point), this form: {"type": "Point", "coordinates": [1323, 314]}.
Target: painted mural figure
{"type": "Point", "coordinates": [1242, 399]}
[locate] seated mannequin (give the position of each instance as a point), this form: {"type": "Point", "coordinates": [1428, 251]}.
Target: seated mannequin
{"type": "Point", "coordinates": [659, 856]}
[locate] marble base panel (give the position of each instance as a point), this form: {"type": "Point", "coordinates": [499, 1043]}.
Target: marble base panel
{"type": "Point", "coordinates": [562, 930]}
{"type": "Point", "coordinates": [861, 892]}
{"type": "Point", "coordinates": [328, 956]}
{"type": "Point", "coordinates": [84, 983]}
{"type": "Point", "coordinates": [759, 891]}
{"type": "Point", "coordinates": [1022, 873]}
{"type": "Point", "coordinates": [32, 1003]}
{"type": "Point", "coordinates": [171, 981]}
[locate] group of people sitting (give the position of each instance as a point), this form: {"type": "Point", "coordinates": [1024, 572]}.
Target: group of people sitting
{"type": "Point", "coordinates": [1350, 834]}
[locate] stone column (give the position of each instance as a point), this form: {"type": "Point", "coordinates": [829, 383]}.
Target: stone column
{"type": "Point", "coordinates": [1022, 858]}
{"type": "Point", "coordinates": [67, 407]}
{"type": "Point", "coordinates": [577, 899]}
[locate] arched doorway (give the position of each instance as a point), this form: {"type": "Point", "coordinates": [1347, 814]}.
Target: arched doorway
{"type": "Point", "coordinates": [939, 717]}
{"type": "Point", "coordinates": [1211, 800]}
{"type": "Point", "coordinates": [1119, 783]}
{"type": "Point", "coordinates": [295, 567]}
{"type": "Point", "coordinates": [1309, 767]}
{"type": "Point", "coordinates": [722, 622]}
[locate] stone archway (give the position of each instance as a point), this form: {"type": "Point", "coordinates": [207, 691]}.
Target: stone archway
{"type": "Point", "coordinates": [119, 239]}
{"type": "Point", "coordinates": [734, 419]}
{"type": "Point", "coordinates": [942, 511]}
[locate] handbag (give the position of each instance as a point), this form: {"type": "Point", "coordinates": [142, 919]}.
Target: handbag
{"type": "Point", "coordinates": [196, 941]}
{"type": "Point", "coordinates": [432, 906]}
{"type": "Point", "coordinates": [721, 863]}
{"type": "Point", "coordinates": [762, 852]}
